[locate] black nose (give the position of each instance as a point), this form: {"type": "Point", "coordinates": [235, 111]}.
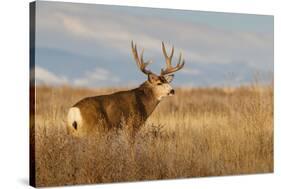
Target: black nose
{"type": "Point", "coordinates": [172, 91]}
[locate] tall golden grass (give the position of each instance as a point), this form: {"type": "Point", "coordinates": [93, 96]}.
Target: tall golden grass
{"type": "Point", "coordinates": [198, 132]}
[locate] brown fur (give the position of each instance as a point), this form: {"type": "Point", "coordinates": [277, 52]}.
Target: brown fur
{"type": "Point", "coordinates": [110, 110]}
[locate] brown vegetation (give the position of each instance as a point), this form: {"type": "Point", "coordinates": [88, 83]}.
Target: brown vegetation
{"type": "Point", "coordinates": [198, 132]}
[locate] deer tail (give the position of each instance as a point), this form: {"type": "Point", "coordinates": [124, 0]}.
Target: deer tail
{"type": "Point", "coordinates": [74, 119]}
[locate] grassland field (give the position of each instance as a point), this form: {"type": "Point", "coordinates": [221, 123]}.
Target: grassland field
{"type": "Point", "coordinates": [198, 132]}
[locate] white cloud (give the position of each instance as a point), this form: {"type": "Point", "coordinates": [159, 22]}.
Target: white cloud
{"type": "Point", "coordinates": [46, 77]}
{"type": "Point", "coordinates": [190, 71]}
{"type": "Point", "coordinates": [74, 25]}
{"type": "Point", "coordinates": [106, 32]}
{"type": "Point", "coordinates": [96, 77]}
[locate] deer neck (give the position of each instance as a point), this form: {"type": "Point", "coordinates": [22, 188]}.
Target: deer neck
{"type": "Point", "coordinates": [146, 98]}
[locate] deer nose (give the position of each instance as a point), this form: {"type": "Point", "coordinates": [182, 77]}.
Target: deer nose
{"type": "Point", "coordinates": [172, 91]}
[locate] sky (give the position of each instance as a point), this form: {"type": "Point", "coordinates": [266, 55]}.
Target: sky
{"type": "Point", "coordinates": [89, 45]}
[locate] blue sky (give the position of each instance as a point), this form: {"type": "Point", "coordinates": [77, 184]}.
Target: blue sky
{"type": "Point", "coordinates": [88, 45]}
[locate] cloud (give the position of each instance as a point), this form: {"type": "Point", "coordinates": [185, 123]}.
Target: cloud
{"type": "Point", "coordinates": [103, 35]}
{"type": "Point", "coordinates": [75, 26]}
{"type": "Point", "coordinates": [96, 77]}
{"type": "Point", "coordinates": [46, 77]}
{"type": "Point", "coordinates": [106, 32]}
{"type": "Point", "coordinates": [190, 71]}
{"type": "Point", "coordinates": [200, 43]}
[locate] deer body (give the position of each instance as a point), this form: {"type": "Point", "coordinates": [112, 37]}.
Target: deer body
{"type": "Point", "coordinates": [131, 107]}
{"type": "Point", "coordinates": [113, 109]}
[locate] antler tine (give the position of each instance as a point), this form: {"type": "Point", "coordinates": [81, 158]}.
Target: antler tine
{"type": "Point", "coordinates": [164, 50]}
{"type": "Point", "coordinates": [172, 53]}
{"type": "Point", "coordinates": [169, 68]}
{"type": "Point", "coordinates": [135, 53]}
{"type": "Point", "coordinates": [140, 62]}
{"type": "Point", "coordinates": [168, 58]}
{"type": "Point", "coordinates": [180, 62]}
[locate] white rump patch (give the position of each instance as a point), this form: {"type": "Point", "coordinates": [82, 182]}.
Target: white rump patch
{"type": "Point", "coordinates": [74, 115]}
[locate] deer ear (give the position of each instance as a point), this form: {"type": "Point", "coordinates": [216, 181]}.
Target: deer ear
{"type": "Point", "coordinates": [169, 78]}
{"type": "Point", "coordinates": [152, 78]}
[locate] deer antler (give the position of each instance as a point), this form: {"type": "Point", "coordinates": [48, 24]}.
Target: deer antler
{"type": "Point", "coordinates": [140, 62]}
{"type": "Point", "coordinates": [169, 68]}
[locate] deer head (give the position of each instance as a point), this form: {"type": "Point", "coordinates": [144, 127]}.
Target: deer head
{"type": "Point", "coordinates": [159, 84]}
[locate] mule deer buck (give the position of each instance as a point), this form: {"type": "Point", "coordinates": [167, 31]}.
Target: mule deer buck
{"type": "Point", "coordinates": [136, 104]}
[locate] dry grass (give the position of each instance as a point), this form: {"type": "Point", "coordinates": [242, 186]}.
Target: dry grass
{"type": "Point", "coordinates": [198, 132]}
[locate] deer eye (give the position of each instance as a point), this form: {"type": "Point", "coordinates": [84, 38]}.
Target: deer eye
{"type": "Point", "coordinates": [159, 83]}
